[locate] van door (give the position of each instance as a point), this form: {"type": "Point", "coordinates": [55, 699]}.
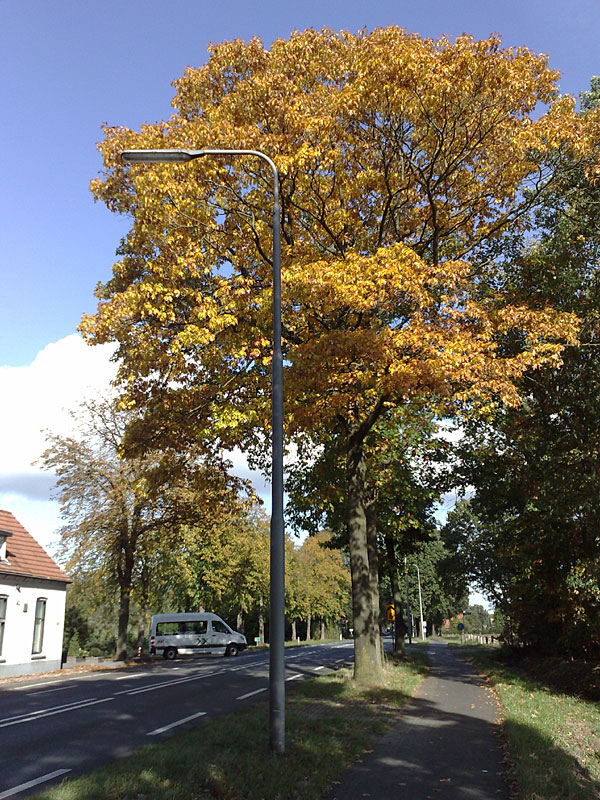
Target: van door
{"type": "Point", "coordinates": [219, 636]}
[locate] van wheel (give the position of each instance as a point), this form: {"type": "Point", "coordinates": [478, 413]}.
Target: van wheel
{"type": "Point", "coordinates": [170, 653]}
{"type": "Point", "coordinates": [231, 650]}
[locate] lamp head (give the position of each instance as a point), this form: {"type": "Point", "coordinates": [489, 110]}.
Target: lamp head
{"type": "Point", "coordinates": [159, 156]}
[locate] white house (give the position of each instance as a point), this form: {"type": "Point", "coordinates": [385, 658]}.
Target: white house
{"type": "Point", "coordinates": [32, 603]}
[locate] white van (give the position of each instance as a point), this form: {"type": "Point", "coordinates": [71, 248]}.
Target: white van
{"type": "Point", "coordinates": [174, 634]}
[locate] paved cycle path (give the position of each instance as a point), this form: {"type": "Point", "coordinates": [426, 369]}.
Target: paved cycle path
{"type": "Point", "coordinates": [446, 747]}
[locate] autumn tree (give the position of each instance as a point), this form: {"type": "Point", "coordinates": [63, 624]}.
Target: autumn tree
{"type": "Point", "coordinates": [120, 512]}
{"type": "Point", "coordinates": [325, 580]}
{"type": "Point", "coordinates": [399, 159]}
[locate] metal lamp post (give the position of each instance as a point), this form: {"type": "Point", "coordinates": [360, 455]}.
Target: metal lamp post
{"type": "Point", "coordinates": [277, 552]}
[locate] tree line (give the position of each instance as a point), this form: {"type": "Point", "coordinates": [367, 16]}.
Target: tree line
{"type": "Point", "coordinates": [140, 540]}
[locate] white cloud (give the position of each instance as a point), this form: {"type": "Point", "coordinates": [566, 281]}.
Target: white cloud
{"type": "Point", "coordinates": [39, 396]}
{"type": "Point", "coordinates": [240, 468]}
{"type": "Point", "coordinates": [36, 398]}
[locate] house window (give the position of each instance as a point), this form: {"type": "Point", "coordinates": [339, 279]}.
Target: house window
{"type": "Point", "coordinates": [38, 626]}
{"type": "Point", "coordinates": [3, 537]}
{"type": "Point", "coordinates": [3, 600]}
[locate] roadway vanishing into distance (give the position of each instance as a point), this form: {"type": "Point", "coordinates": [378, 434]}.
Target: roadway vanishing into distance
{"type": "Point", "coordinates": [66, 724]}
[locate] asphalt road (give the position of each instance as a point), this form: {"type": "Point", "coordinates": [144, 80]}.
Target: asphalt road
{"type": "Point", "coordinates": [65, 725]}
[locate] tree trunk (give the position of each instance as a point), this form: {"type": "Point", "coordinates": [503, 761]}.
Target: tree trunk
{"type": "Point", "coordinates": [240, 622]}
{"type": "Point", "coordinates": [322, 629]}
{"type": "Point", "coordinates": [367, 660]}
{"type": "Point", "coordinates": [294, 635]}
{"type": "Point", "coordinates": [125, 578]}
{"type": "Point", "coordinates": [142, 625]}
{"type": "Point", "coordinates": [143, 607]}
{"type": "Point", "coordinates": [371, 519]}
{"type": "Point", "coordinates": [261, 620]}
{"type": "Point", "coordinates": [121, 654]}
{"type": "Point", "coordinates": [308, 623]}
{"type": "Point", "coordinates": [399, 626]}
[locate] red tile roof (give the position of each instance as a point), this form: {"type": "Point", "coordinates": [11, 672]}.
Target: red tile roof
{"type": "Point", "coordinates": [24, 555]}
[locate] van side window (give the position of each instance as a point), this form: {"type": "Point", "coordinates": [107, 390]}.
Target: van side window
{"type": "Point", "coordinates": [187, 626]}
{"type": "Point", "coordinates": [167, 628]}
{"type": "Point", "coordinates": [193, 626]}
{"type": "Point", "coordinates": [219, 627]}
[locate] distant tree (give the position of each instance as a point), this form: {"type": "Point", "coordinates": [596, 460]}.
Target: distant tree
{"type": "Point", "coordinates": [478, 620]}
{"type": "Point", "coordinates": [121, 511]}
{"type": "Point", "coordinates": [325, 580]}
{"type": "Point", "coordinates": [444, 586]}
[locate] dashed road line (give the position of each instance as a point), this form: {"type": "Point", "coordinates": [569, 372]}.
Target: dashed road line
{"type": "Point", "coordinates": [35, 782]}
{"type": "Point", "coordinates": [132, 675]}
{"type": "Point", "coordinates": [34, 716]}
{"type": "Point", "coordinates": [30, 686]}
{"type": "Point", "coordinates": [60, 689]}
{"type": "Point", "coordinates": [249, 694]}
{"type": "Point", "coordinates": [175, 724]}
{"type": "Point", "coordinates": [154, 686]}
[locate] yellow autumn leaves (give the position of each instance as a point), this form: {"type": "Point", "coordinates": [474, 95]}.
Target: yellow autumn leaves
{"type": "Point", "coordinates": [398, 158]}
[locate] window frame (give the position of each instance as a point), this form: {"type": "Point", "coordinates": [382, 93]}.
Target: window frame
{"type": "Point", "coordinates": [39, 623]}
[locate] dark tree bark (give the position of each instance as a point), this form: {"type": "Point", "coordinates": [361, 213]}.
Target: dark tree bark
{"type": "Point", "coordinates": [399, 625]}
{"type": "Point", "coordinates": [371, 519]}
{"type": "Point", "coordinates": [367, 658]}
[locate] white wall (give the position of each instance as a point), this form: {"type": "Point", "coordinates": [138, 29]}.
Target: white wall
{"type": "Point", "coordinates": [16, 657]}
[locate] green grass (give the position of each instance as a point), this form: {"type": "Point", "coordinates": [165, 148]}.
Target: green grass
{"type": "Point", "coordinates": [228, 758]}
{"type": "Point", "coordinates": [553, 736]}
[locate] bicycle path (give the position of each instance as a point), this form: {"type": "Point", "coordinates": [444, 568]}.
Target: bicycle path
{"type": "Point", "coordinates": [447, 745]}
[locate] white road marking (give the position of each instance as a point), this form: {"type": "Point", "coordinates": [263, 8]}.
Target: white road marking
{"type": "Point", "coordinates": [318, 668]}
{"type": "Point", "coordinates": [153, 686]}
{"type": "Point", "coordinates": [256, 691]}
{"type": "Point", "coordinates": [36, 715]}
{"type": "Point", "coordinates": [35, 782]}
{"type": "Point", "coordinates": [132, 675]}
{"type": "Point", "coordinates": [293, 677]}
{"type": "Point", "coordinates": [44, 710]}
{"type": "Point", "coordinates": [31, 686]}
{"type": "Point", "coordinates": [175, 724]}
{"type": "Point", "coordinates": [60, 689]}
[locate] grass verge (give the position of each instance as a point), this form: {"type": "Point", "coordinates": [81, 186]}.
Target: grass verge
{"type": "Point", "coordinates": [553, 736]}
{"type": "Point", "coordinates": [330, 721]}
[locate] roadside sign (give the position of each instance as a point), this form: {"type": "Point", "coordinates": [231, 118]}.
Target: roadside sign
{"type": "Point", "coordinates": [390, 612]}
{"type": "Point", "coordinates": [460, 626]}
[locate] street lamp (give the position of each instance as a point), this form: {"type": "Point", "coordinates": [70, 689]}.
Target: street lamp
{"type": "Point", "coordinates": [277, 586]}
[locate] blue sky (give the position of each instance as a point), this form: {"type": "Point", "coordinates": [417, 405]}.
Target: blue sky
{"type": "Point", "coordinates": [69, 66]}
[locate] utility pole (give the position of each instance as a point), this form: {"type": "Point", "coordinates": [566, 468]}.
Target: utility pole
{"type": "Point", "coordinates": [420, 604]}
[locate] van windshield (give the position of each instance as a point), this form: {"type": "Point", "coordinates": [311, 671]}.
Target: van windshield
{"type": "Point", "coordinates": [188, 626]}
